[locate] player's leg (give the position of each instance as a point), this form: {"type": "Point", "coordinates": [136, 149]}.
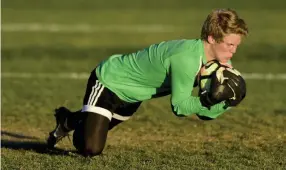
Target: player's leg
{"type": "Point", "coordinates": [98, 105]}
{"type": "Point", "coordinates": [90, 135]}
{"type": "Point", "coordinates": [123, 113]}
{"type": "Point", "coordinates": [90, 131]}
{"type": "Point", "coordinates": [66, 120]}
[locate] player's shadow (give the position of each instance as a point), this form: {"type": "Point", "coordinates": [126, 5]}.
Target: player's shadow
{"type": "Point", "coordinates": [16, 135]}
{"type": "Point", "coordinates": [36, 146]}
{"type": "Point", "coordinates": [280, 112]}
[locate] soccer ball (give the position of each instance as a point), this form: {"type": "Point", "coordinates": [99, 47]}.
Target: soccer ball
{"type": "Point", "coordinates": [220, 74]}
{"type": "Point", "coordinates": [206, 73]}
{"type": "Point", "coordinates": [219, 82]}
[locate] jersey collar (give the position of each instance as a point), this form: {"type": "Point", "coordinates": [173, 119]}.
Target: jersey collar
{"type": "Point", "coordinates": [202, 52]}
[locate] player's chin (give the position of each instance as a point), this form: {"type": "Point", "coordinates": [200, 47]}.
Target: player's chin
{"type": "Point", "coordinates": [225, 62]}
{"type": "Point", "coordinates": [222, 59]}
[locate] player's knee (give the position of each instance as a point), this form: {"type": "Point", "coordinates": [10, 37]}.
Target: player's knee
{"type": "Point", "coordinates": [87, 151]}
{"type": "Point", "coordinates": [92, 151]}
{"type": "Point", "coordinates": [83, 147]}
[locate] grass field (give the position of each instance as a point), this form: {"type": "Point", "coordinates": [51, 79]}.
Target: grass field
{"type": "Point", "coordinates": [54, 37]}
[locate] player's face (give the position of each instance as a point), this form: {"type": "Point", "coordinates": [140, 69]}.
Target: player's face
{"type": "Point", "coordinates": [225, 49]}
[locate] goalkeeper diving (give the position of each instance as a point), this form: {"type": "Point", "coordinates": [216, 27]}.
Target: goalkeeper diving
{"type": "Point", "coordinates": [118, 85]}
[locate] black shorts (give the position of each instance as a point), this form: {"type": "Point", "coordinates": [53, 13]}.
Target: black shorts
{"type": "Point", "coordinates": [100, 100]}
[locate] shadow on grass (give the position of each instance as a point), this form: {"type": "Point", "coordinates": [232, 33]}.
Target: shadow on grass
{"type": "Point", "coordinates": [16, 135]}
{"type": "Point", "coordinates": [39, 147]}
{"type": "Point", "coordinates": [280, 112]}
{"type": "Point", "coordinates": [36, 146]}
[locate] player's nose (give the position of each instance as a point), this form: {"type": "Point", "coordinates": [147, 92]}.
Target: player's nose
{"type": "Point", "coordinates": [233, 49]}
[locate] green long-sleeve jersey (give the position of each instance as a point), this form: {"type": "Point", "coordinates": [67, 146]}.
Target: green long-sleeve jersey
{"type": "Point", "coordinates": [169, 67]}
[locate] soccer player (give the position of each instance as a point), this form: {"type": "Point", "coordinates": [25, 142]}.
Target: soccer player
{"type": "Point", "coordinates": [118, 85]}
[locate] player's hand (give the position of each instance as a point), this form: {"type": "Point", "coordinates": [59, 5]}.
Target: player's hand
{"type": "Point", "coordinates": [238, 88]}
{"type": "Point", "coordinates": [207, 99]}
{"type": "Point", "coordinates": [226, 85]}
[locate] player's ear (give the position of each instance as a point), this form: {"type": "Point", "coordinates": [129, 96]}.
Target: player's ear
{"type": "Point", "coordinates": [211, 39]}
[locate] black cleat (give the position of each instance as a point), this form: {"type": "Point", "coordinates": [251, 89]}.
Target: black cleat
{"type": "Point", "coordinates": [60, 131]}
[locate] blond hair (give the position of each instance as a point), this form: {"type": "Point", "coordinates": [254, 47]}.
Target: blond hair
{"type": "Point", "coordinates": [222, 22]}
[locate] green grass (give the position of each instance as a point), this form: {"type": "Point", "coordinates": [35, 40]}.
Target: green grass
{"type": "Point", "coordinates": [251, 136]}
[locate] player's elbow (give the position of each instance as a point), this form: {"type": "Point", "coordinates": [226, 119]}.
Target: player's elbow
{"type": "Point", "coordinates": [175, 111]}
{"type": "Point", "coordinates": [204, 117]}
{"type": "Point", "coordinates": [179, 114]}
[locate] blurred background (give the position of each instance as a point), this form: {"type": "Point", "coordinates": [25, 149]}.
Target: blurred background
{"type": "Point", "coordinates": [49, 47]}
{"type": "Point", "coordinates": [93, 28]}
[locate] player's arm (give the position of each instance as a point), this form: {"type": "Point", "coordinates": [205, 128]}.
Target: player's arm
{"type": "Point", "coordinates": [183, 75]}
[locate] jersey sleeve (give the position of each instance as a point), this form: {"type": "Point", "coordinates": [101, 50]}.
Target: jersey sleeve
{"type": "Point", "coordinates": [214, 112]}
{"type": "Point", "coordinates": [183, 74]}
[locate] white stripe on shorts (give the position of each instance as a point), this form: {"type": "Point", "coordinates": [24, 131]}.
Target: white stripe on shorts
{"type": "Point", "coordinates": [99, 93]}
{"type": "Point", "coordinates": [92, 92]}
{"type": "Point", "coordinates": [119, 117]}
{"type": "Point", "coordinates": [97, 110]}
{"type": "Point", "coordinates": [95, 93]}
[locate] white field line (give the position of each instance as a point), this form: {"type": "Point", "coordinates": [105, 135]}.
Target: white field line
{"type": "Point", "coordinates": [89, 28]}
{"type": "Point", "coordinates": [86, 28]}
{"type": "Point", "coordinates": [76, 76]}
{"type": "Point", "coordinates": [45, 75]}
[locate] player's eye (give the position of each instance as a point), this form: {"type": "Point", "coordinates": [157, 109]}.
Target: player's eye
{"type": "Point", "coordinates": [230, 45]}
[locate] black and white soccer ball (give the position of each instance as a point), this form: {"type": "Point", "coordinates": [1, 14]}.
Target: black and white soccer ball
{"type": "Point", "coordinates": [223, 83]}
